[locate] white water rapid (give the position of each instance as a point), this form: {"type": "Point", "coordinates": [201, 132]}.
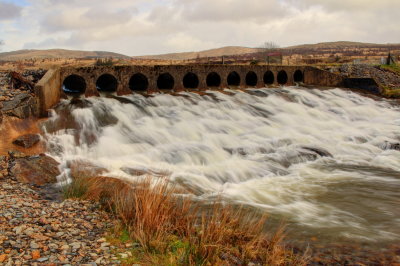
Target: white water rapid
{"type": "Point", "coordinates": [325, 161]}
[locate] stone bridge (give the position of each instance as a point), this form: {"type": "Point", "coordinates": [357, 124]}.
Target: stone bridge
{"type": "Point", "coordinates": [122, 80]}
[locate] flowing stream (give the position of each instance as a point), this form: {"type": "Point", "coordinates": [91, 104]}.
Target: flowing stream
{"type": "Point", "coordinates": [327, 162]}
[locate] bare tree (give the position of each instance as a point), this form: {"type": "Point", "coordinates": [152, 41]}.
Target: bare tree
{"type": "Point", "coordinates": [267, 48]}
{"type": "Point", "coordinates": [1, 43]}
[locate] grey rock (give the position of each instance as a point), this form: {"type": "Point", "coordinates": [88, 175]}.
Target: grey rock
{"type": "Point", "coordinates": [43, 259]}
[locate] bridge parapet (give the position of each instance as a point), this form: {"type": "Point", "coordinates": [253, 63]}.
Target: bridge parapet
{"type": "Point", "coordinates": [91, 81]}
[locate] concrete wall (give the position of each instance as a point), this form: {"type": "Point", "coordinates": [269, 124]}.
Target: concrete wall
{"type": "Point", "coordinates": [318, 77]}
{"type": "Point", "coordinates": [364, 84]}
{"type": "Point", "coordinates": [48, 91]}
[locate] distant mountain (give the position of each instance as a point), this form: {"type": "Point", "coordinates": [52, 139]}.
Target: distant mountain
{"type": "Point", "coordinates": [239, 50]}
{"type": "Point", "coordinates": [340, 45]}
{"type": "Point", "coordinates": [218, 52]}
{"type": "Point", "coordinates": [57, 53]}
{"type": "Point", "coordinates": [228, 50]}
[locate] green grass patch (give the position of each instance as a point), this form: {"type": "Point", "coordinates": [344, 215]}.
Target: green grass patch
{"type": "Point", "coordinates": [392, 68]}
{"type": "Point", "coordinates": [77, 189]}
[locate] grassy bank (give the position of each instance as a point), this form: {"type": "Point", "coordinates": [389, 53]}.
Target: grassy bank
{"type": "Point", "coordinates": [392, 68]}
{"type": "Point", "coordinates": [164, 229]}
{"type": "Point", "coordinates": [391, 92]}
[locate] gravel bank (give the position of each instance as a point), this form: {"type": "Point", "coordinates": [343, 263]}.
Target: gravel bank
{"type": "Point", "coordinates": [36, 231]}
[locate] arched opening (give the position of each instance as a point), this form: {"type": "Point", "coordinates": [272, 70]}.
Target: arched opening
{"type": "Point", "coordinates": [138, 82]}
{"type": "Point", "coordinates": [74, 85]}
{"type": "Point", "coordinates": [165, 82]}
{"type": "Point", "coordinates": [282, 77]}
{"type": "Point", "coordinates": [106, 83]}
{"type": "Point", "coordinates": [213, 80]}
{"type": "Point", "coordinates": [298, 76]}
{"type": "Point", "coordinates": [251, 79]}
{"type": "Point", "coordinates": [233, 79]}
{"type": "Point", "coordinates": [190, 81]}
{"type": "Point", "coordinates": [269, 77]}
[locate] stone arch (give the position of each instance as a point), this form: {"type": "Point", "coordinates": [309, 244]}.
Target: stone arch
{"type": "Point", "coordinates": [213, 80]}
{"type": "Point", "coordinates": [190, 81]}
{"type": "Point", "coordinates": [233, 79]}
{"type": "Point", "coordinates": [298, 76]}
{"type": "Point", "coordinates": [165, 81]}
{"type": "Point", "coordinates": [139, 82]}
{"type": "Point", "coordinates": [282, 77]}
{"type": "Point", "coordinates": [251, 79]}
{"type": "Point", "coordinates": [74, 85]}
{"type": "Point", "coordinates": [106, 83]}
{"type": "Point", "coordinates": [268, 77]}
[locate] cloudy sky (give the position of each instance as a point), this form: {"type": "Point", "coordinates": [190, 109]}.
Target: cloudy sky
{"type": "Point", "coordinates": [137, 27]}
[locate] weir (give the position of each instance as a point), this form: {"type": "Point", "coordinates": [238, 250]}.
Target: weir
{"type": "Point", "coordinates": [123, 80]}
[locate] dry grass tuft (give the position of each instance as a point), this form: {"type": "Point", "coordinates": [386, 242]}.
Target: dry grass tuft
{"type": "Point", "coordinates": [176, 231]}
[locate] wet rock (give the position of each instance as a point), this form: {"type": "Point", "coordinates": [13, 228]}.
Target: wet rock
{"type": "Point", "coordinates": [38, 170]}
{"type": "Point", "coordinates": [80, 103]}
{"type": "Point", "coordinates": [85, 169]}
{"type": "Point", "coordinates": [27, 141]}
{"type": "Point", "coordinates": [23, 105]}
{"type": "Point", "coordinates": [139, 172]}
{"type": "Point", "coordinates": [391, 146]}
{"type": "Point", "coordinates": [320, 151]}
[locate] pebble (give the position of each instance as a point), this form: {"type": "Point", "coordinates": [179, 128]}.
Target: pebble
{"type": "Point", "coordinates": [38, 231]}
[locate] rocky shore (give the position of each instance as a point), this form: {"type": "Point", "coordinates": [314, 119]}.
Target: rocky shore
{"type": "Point", "coordinates": [38, 231]}
{"type": "Point", "coordinates": [16, 93]}
{"type": "Point", "coordinates": [382, 76]}
{"type": "Point", "coordinates": [38, 227]}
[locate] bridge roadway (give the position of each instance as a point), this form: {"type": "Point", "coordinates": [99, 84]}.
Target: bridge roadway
{"type": "Point", "coordinates": [122, 80]}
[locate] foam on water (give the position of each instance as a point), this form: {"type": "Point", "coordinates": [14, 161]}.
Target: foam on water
{"type": "Point", "coordinates": [317, 158]}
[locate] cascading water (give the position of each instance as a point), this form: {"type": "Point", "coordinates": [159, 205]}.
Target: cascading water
{"type": "Point", "coordinates": [325, 161]}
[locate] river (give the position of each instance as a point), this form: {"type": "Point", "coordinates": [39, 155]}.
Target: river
{"type": "Point", "coordinates": [324, 161]}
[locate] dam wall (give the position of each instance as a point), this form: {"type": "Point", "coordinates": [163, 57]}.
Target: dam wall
{"type": "Point", "coordinates": [123, 80]}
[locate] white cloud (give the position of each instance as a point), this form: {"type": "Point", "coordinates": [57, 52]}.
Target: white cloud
{"type": "Point", "coordinates": [9, 11]}
{"type": "Point", "coordinates": [137, 27]}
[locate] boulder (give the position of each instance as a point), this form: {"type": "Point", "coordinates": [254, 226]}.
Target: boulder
{"type": "Point", "coordinates": [22, 106]}
{"type": "Point", "coordinates": [84, 169]}
{"type": "Point", "coordinates": [27, 141]}
{"type": "Point", "coordinates": [391, 146]}
{"type": "Point", "coordinates": [37, 170]}
{"type": "Point", "coordinates": [320, 151]}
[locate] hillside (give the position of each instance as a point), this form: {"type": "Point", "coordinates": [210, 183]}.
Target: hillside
{"type": "Point", "coordinates": [340, 45]}
{"type": "Point", "coordinates": [305, 49]}
{"type": "Point", "coordinates": [239, 50]}
{"type": "Point", "coordinates": [228, 50]}
{"type": "Point", "coordinates": [57, 53]}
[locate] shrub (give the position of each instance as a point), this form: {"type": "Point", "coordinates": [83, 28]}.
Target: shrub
{"type": "Point", "coordinates": [104, 62]}
{"type": "Point", "coordinates": [176, 230]}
